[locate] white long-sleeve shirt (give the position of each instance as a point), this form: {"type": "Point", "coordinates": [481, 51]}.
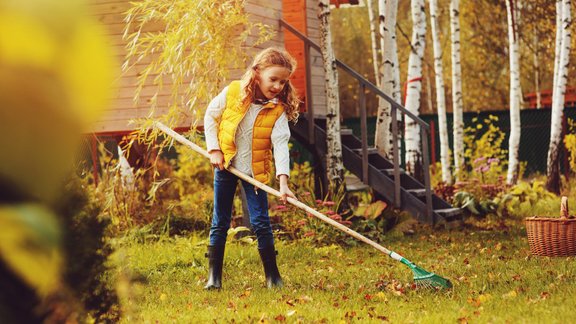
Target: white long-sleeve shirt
{"type": "Point", "coordinates": [243, 158]}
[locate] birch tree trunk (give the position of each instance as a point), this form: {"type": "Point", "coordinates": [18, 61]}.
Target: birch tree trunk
{"type": "Point", "coordinates": [414, 80]}
{"type": "Point", "coordinates": [457, 102]}
{"type": "Point", "coordinates": [374, 39]}
{"type": "Point", "coordinates": [558, 46]}
{"type": "Point", "coordinates": [387, 25]}
{"type": "Point", "coordinates": [514, 140]}
{"type": "Point", "coordinates": [440, 95]}
{"type": "Point", "coordinates": [334, 167]}
{"type": "Point", "coordinates": [552, 170]}
{"type": "Point", "coordinates": [537, 72]}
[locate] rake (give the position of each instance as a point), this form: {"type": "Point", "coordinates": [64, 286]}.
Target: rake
{"type": "Point", "coordinates": [422, 278]}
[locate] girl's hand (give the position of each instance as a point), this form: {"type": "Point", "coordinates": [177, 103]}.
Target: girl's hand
{"type": "Point", "coordinates": [284, 190]}
{"type": "Point", "coordinates": [217, 159]}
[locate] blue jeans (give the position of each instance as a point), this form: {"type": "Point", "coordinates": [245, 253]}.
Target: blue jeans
{"type": "Point", "coordinates": [224, 190]}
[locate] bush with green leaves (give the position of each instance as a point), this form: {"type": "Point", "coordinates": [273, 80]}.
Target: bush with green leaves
{"type": "Point", "coordinates": [87, 249]}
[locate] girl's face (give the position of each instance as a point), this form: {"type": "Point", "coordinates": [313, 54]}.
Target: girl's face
{"type": "Point", "coordinates": [271, 81]}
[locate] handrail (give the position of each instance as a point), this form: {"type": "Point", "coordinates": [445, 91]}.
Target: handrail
{"type": "Point", "coordinates": [358, 77]}
{"type": "Point", "coordinates": [364, 83]}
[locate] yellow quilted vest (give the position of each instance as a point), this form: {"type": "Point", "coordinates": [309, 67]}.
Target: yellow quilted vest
{"type": "Point", "coordinates": [261, 138]}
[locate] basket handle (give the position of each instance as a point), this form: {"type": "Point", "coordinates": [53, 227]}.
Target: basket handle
{"type": "Point", "coordinates": [564, 213]}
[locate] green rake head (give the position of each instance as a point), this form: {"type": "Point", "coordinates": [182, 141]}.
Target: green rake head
{"type": "Point", "coordinates": [429, 280]}
{"type": "Point", "coordinates": [423, 278]}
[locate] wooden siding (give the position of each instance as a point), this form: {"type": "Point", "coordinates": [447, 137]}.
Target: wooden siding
{"type": "Point", "coordinates": [111, 14]}
{"type": "Point", "coordinates": [318, 81]}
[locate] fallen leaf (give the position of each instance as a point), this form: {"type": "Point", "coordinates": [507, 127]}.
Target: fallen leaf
{"type": "Point", "coordinates": [290, 312]}
{"type": "Point", "coordinates": [280, 318]}
{"type": "Point", "coordinates": [510, 295]}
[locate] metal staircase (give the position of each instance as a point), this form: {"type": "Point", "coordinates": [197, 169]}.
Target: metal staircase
{"type": "Point", "coordinates": [380, 174]}
{"type": "Point", "coordinates": [384, 176]}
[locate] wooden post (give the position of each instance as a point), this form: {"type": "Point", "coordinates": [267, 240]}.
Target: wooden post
{"type": "Point", "coordinates": [433, 141]}
{"type": "Point", "coordinates": [309, 103]}
{"type": "Point", "coordinates": [396, 157]}
{"type": "Point", "coordinates": [94, 152]}
{"type": "Point", "coordinates": [426, 170]}
{"type": "Point", "coordinates": [564, 151]}
{"type": "Point", "coordinates": [364, 132]}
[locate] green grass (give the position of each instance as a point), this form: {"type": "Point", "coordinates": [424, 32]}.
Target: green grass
{"type": "Point", "coordinates": [495, 280]}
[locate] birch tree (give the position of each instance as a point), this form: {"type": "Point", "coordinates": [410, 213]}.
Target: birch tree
{"type": "Point", "coordinates": [387, 11]}
{"type": "Point", "coordinates": [457, 103]}
{"type": "Point", "coordinates": [440, 95]}
{"type": "Point", "coordinates": [536, 62]}
{"type": "Point", "coordinates": [561, 78]}
{"type": "Point", "coordinates": [557, 45]}
{"type": "Point", "coordinates": [514, 140]}
{"type": "Point", "coordinates": [335, 168]}
{"type": "Point", "coordinates": [412, 130]}
{"type": "Point", "coordinates": [374, 40]}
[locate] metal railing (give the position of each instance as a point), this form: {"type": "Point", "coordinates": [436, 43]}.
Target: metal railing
{"type": "Point", "coordinates": [395, 107]}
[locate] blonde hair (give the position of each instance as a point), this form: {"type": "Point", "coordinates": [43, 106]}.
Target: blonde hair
{"type": "Point", "coordinates": [272, 57]}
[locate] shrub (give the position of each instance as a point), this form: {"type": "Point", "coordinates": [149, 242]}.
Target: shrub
{"type": "Point", "coordinates": [570, 143]}
{"type": "Point", "coordinates": [87, 250]}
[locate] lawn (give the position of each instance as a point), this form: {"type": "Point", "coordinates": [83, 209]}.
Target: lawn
{"type": "Point", "coordinates": [495, 280]}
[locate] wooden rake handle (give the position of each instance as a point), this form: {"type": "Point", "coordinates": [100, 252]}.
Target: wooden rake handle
{"type": "Point", "coordinates": [564, 213]}
{"type": "Point", "coordinates": [181, 139]}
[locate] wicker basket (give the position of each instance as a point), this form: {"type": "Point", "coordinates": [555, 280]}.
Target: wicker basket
{"type": "Point", "coordinates": [552, 236]}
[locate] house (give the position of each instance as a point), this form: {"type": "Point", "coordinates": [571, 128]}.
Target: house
{"type": "Point", "coordinates": [298, 30]}
{"type": "Point", "coordinates": [302, 14]}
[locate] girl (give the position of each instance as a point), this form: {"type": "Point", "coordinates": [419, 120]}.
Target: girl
{"type": "Point", "coordinates": [242, 125]}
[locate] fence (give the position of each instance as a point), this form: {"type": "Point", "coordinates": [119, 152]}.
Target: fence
{"type": "Point", "coordinates": [534, 139]}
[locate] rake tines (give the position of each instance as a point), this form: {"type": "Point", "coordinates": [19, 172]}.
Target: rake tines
{"type": "Point", "coordinates": [429, 280]}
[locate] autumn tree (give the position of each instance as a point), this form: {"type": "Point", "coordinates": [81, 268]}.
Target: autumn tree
{"type": "Point", "coordinates": [562, 61]}
{"type": "Point", "coordinates": [515, 94]}
{"type": "Point", "coordinates": [440, 95]}
{"type": "Point", "coordinates": [335, 166]}
{"type": "Point", "coordinates": [414, 85]}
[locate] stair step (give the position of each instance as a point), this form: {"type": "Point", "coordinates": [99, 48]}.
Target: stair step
{"type": "Point", "coordinates": [390, 172]}
{"type": "Point", "coordinates": [448, 212]}
{"type": "Point", "coordinates": [371, 150]}
{"type": "Point", "coordinates": [346, 131]}
{"type": "Point", "coordinates": [417, 192]}
{"type": "Point", "coordinates": [353, 183]}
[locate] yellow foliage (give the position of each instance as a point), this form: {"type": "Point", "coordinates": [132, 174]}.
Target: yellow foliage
{"type": "Point", "coordinates": [570, 143]}
{"type": "Point", "coordinates": [198, 45]}
{"type": "Point", "coordinates": [56, 71]}
{"type": "Point", "coordinates": [29, 244]}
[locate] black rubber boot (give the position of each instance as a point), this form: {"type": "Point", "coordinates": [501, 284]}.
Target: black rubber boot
{"type": "Point", "coordinates": [215, 257]}
{"type": "Point", "coordinates": [268, 256]}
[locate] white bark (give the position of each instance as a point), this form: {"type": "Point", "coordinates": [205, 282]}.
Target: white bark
{"type": "Point", "coordinates": [414, 80]}
{"type": "Point", "coordinates": [440, 94]}
{"type": "Point", "coordinates": [514, 140]}
{"type": "Point", "coordinates": [558, 46]}
{"type": "Point", "coordinates": [387, 25]}
{"type": "Point", "coordinates": [334, 165]}
{"type": "Point", "coordinates": [457, 103]}
{"type": "Point", "coordinates": [374, 39]}
{"type": "Point", "coordinates": [553, 182]}
{"type": "Point", "coordinates": [537, 72]}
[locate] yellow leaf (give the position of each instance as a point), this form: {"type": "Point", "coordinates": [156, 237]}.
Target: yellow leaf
{"type": "Point", "coordinates": [29, 244]}
{"type": "Point", "coordinates": [510, 295]}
